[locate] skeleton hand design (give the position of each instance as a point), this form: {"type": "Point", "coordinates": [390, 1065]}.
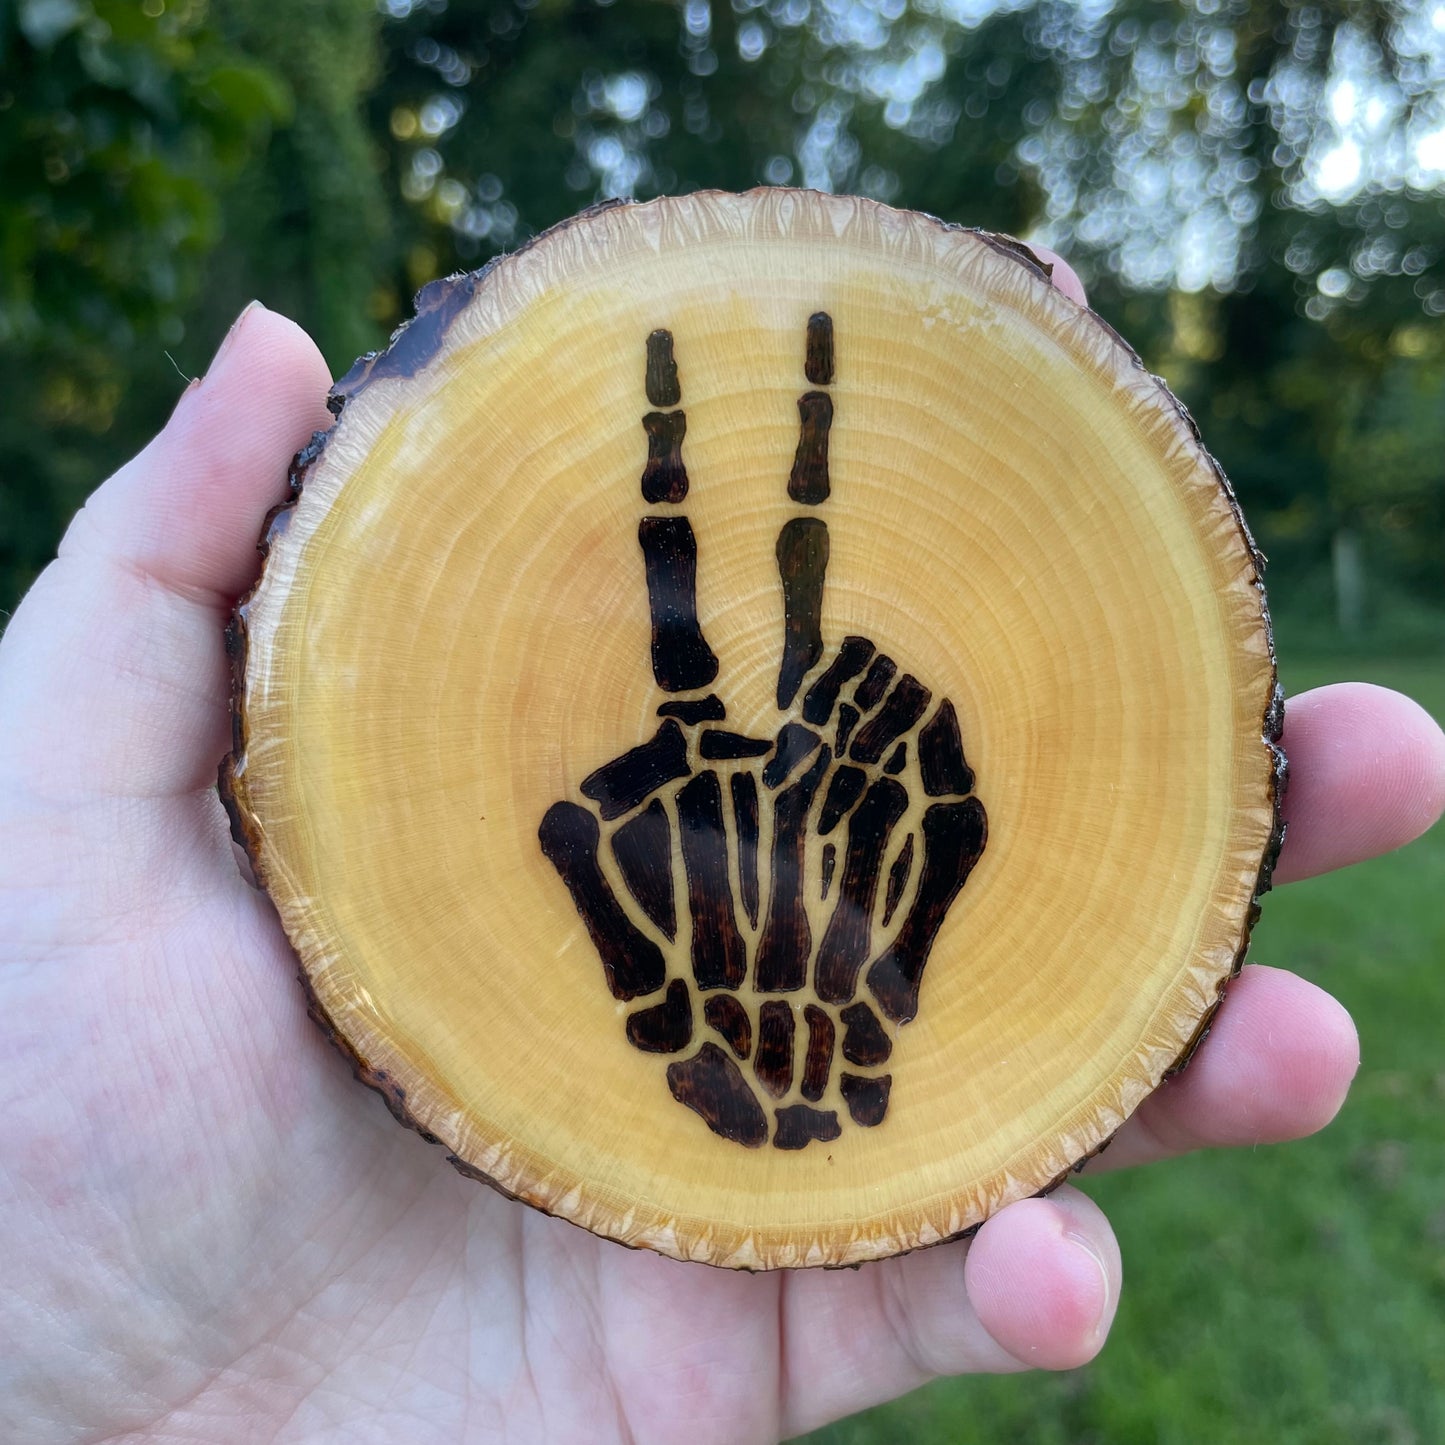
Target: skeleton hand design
{"type": "Point", "coordinates": [813, 869]}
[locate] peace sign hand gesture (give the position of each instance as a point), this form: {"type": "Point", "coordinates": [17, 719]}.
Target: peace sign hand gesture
{"type": "Point", "coordinates": [778, 951]}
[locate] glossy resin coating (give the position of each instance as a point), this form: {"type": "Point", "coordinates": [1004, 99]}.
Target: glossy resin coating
{"type": "Point", "coordinates": [760, 722]}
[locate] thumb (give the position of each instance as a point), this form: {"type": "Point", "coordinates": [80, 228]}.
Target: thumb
{"type": "Point", "coordinates": [112, 676]}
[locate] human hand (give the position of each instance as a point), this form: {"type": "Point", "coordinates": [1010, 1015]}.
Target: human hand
{"type": "Point", "coordinates": [212, 1233]}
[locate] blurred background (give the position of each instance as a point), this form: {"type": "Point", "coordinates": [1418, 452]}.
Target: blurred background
{"type": "Point", "coordinates": [1254, 191]}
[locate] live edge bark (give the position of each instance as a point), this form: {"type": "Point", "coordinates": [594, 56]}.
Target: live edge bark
{"type": "Point", "coordinates": [411, 348]}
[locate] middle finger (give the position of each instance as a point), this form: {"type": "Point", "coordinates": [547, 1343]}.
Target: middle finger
{"type": "Point", "coordinates": [1277, 1065]}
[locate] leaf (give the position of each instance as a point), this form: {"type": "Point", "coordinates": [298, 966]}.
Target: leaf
{"type": "Point", "coordinates": [251, 94]}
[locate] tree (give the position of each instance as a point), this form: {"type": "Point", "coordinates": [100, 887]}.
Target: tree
{"type": "Point", "coordinates": [1255, 190]}
{"type": "Point", "coordinates": [116, 123]}
{"type": "Point", "coordinates": [160, 163]}
{"type": "Point", "coordinates": [1243, 183]}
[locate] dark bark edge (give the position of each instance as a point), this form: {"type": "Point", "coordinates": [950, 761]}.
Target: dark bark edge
{"type": "Point", "coordinates": [437, 306]}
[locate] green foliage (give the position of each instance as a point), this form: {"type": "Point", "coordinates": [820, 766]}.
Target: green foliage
{"type": "Point", "coordinates": [118, 126]}
{"type": "Point", "coordinates": [163, 161]}
{"type": "Point", "coordinates": [309, 231]}
{"type": "Point", "coordinates": [160, 163]}
{"type": "Point", "coordinates": [504, 117]}
{"type": "Point", "coordinates": [116, 129]}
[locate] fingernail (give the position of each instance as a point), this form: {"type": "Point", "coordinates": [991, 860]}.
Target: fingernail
{"type": "Point", "coordinates": [229, 339]}
{"type": "Point", "coordinates": [190, 396]}
{"type": "Point", "coordinates": [1106, 1295]}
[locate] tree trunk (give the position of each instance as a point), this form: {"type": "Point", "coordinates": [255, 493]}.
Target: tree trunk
{"type": "Point", "coordinates": [1349, 571]}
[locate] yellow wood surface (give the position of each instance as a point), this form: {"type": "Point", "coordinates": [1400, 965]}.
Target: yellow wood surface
{"type": "Point", "coordinates": [453, 629]}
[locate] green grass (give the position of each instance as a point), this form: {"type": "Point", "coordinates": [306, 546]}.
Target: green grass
{"type": "Point", "coordinates": [1292, 1295]}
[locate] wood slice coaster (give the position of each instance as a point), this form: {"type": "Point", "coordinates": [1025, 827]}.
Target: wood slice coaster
{"type": "Point", "coordinates": [759, 722]}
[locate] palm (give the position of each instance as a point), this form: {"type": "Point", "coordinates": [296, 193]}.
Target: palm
{"type": "Point", "coordinates": [263, 1181]}
{"type": "Point", "coordinates": [263, 1189]}
{"type": "Point", "coordinates": [209, 1225]}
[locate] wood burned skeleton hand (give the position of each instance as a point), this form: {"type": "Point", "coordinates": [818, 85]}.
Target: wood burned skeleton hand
{"type": "Point", "coordinates": [778, 897]}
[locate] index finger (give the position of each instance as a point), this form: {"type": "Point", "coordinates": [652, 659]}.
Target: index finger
{"type": "Point", "coordinates": [1366, 775]}
{"type": "Point", "coordinates": [1063, 276]}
